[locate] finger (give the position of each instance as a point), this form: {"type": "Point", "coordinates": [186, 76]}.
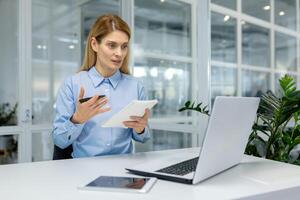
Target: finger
{"type": "Point", "coordinates": [100, 103]}
{"type": "Point", "coordinates": [136, 118]}
{"type": "Point", "coordinates": [133, 124]}
{"type": "Point", "coordinates": [102, 100]}
{"type": "Point", "coordinates": [142, 121]}
{"type": "Point", "coordinates": [133, 127]}
{"type": "Point", "coordinates": [92, 101]}
{"type": "Point", "coordinates": [81, 93]}
{"type": "Point", "coordinates": [103, 110]}
{"type": "Point", "coordinates": [99, 111]}
{"type": "Point", "coordinates": [147, 113]}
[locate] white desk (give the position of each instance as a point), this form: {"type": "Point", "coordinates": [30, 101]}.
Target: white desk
{"type": "Point", "coordinates": [254, 178]}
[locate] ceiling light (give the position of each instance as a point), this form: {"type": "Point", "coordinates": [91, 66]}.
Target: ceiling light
{"type": "Point", "coordinates": [169, 73]}
{"type": "Point", "coordinates": [162, 1]}
{"type": "Point", "coordinates": [154, 72]}
{"type": "Point", "coordinates": [67, 40]}
{"type": "Point", "coordinates": [226, 18]}
{"type": "Point", "coordinates": [267, 7]}
{"type": "Point", "coordinates": [71, 46]}
{"type": "Point", "coordinates": [139, 72]}
{"type": "Point", "coordinates": [281, 13]}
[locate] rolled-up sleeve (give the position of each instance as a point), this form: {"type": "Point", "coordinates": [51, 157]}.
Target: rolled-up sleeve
{"type": "Point", "coordinates": [64, 131]}
{"type": "Point", "coordinates": [143, 137]}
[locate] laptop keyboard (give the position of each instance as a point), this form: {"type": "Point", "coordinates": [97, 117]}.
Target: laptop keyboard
{"type": "Point", "coordinates": [182, 168]}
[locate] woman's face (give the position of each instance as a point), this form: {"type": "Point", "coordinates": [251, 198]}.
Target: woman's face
{"type": "Point", "coordinates": [111, 51]}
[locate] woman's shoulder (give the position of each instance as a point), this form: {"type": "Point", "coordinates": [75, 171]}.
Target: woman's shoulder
{"type": "Point", "coordinates": [73, 82]}
{"type": "Point", "coordinates": [130, 78]}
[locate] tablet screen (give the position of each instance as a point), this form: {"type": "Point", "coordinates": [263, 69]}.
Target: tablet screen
{"type": "Point", "coordinates": [118, 182]}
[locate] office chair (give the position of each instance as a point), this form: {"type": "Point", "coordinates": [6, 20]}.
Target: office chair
{"type": "Point", "coordinates": [59, 154]}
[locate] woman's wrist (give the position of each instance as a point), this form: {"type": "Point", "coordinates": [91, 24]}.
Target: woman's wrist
{"type": "Point", "coordinates": [76, 120]}
{"type": "Point", "coordinates": [140, 131]}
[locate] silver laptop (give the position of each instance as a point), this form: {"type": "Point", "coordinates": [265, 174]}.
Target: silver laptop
{"type": "Point", "coordinates": [224, 144]}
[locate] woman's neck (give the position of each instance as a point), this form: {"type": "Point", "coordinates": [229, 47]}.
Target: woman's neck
{"type": "Point", "coordinates": [104, 71]}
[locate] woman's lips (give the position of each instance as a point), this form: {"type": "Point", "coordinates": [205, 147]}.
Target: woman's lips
{"type": "Point", "coordinates": [117, 62]}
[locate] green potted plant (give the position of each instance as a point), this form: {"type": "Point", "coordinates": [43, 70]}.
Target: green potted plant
{"type": "Point", "coordinates": [276, 132]}
{"type": "Point", "coordinates": [7, 114]}
{"type": "Point", "coordinates": [8, 144]}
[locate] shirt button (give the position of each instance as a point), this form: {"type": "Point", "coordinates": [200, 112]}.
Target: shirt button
{"type": "Point", "coordinates": [108, 144]}
{"type": "Point", "coordinates": [106, 90]}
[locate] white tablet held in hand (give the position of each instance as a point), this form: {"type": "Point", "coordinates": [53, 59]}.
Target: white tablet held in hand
{"type": "Point", "coordinates": [120, 184]}
{"type": "Point", "coordinates": [134, 108]}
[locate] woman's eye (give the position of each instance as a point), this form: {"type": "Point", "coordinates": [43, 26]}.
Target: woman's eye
{"type": "Point", "coordinates": [124, 46]}
{"type": "Point", "coordinates": [112, 46]}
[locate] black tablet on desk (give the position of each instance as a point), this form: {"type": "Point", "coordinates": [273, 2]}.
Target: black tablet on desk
{"type": "Point", "coordinates": [120, 184]}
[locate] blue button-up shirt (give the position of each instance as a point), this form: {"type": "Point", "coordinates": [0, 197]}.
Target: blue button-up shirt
{"type": "Point", "coordinates": [90, 139]}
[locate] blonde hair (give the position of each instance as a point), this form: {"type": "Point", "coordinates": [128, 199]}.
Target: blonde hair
{"type": "Point", "coordinates": [104, 25]}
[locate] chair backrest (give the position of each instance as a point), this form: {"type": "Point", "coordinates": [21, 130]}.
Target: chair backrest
{"type": "Point", "coordinates": [59, 154]}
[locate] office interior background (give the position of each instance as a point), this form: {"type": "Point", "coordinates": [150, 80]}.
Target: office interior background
{"type": "Point", "coordinates": [252, 44]}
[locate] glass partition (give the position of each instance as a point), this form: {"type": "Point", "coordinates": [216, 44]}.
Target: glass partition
{"type": "Point", "coordinates": [257, 8]}
{"type": "Point", "coordinates": [162, 54]}
{"type": "Point", "coordinates": [255, 83]}
{"type": "Point", "coordinates": [223, 38]}
{"type": "Point", "coordinates": [58, 42]}
{"type": "Point", "coordinates": [163, 140]}
{"type": "Point", "coordinates": [162, 27]}
{"type": "Point", "coordinates": [54, 53]}
{"type": "Point", "coordinates": [285, 13]}
{"type": "Point", "coordinates": [9, 61]}
{"type": "Point", "coordinates": [285, 52]}
{"type": "Point", "coordinates": [266, 39]}
{"type": "Point", "coordinates": [42, 146]}
{"type": "Point", "coordinates": [226, 3]}
{"type": "Point", "coordinates": [223, 81]}
{"type": "Point", "coordinates": [255, 45]}
{"type": "Point", "coordinates": [167, 81]}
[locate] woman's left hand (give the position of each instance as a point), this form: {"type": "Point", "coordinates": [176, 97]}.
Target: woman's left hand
{"type": "Point", "coordinates": [138, 124]}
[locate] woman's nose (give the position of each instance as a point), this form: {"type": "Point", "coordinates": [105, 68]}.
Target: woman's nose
{"type": "Point", "coordinates": [118, 51]}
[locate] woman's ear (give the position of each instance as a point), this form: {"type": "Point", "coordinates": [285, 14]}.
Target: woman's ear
{"type": "Point", "coordinates": [94, 44]}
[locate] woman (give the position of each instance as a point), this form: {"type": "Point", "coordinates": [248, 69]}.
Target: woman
{"type": "Point", "coordinates": [104, 72]}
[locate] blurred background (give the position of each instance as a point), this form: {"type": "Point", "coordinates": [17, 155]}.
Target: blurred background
{"type": "Point", "coordinates": [251, 45]}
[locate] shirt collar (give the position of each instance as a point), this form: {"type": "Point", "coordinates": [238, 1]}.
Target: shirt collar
{"type": "Point", "coordinates": [97, 78]}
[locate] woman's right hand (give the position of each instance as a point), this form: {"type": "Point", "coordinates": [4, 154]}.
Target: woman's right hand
{"type": "Point", "coordinates": [85, 111]}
